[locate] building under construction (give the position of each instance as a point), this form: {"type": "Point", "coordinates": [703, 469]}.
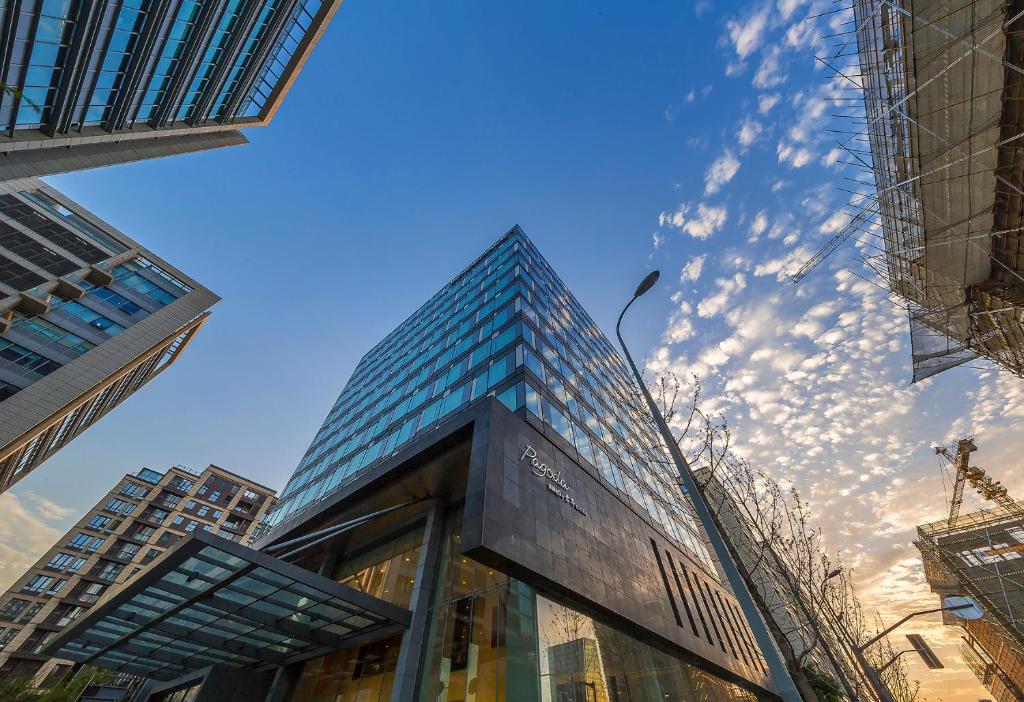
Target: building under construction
{"type": "Point", "coordinates": [944, 123]}
{"type": "Point", "coordinates": [981, 555]}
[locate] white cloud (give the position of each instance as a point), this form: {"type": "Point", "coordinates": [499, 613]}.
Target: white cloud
{"type": "Point", "coordinates": [708, 220]}
{"type": "Point", "coordinates": [787, 7]}
{"type": "Point", "coordinates": [680, 325]}
{"type": "Point", "coordinates": [717, 301]}
{"type": "Point", "coordinates": [747, 35]}
{"type": "Point", "coordinates": [720, 172]}
{"type": "Point", "coordinates": [758, 225]}
{"type": "Point", "coordinates": [833, 224]}
{"type": "Point", "coordinates": [803, 34]}
{"type": "Point", "coordinates": [765, 103]}
{"type": "Point", "coordinates": [782, 267]}
{"type": "Point", "coordinates": [772, 71]}
{"type": "Point", "coordinates": [750, 130]}
{"type": "Point", "coordinates": [692, 270]}
{"type": "Point", "coordinates": [832, 156]}
{"type": "Point", "coordinates": [796, 156]}
{"type": "Point", "coordinates": [27, 531]}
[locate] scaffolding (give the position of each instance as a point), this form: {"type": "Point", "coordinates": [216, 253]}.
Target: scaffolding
{"type": "Point", "coordinates": [981, 554]}
{"type": "Point", "coordinates": [942, 126]}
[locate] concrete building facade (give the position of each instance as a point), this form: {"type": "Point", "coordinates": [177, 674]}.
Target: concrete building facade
{"type": "Point", "coordinates": [87, 317]}
{"type": "Point", "coordinates": [485, 514]}
{"type": "Point", "coordinates": [144, 514]}
{"type": "Point", "coordinates": [97, 82]}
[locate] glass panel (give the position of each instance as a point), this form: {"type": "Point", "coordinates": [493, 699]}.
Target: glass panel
{"type": "Point", "coordinates": [583, 660]}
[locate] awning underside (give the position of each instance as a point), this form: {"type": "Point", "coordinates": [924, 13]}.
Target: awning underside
{"type": "Point", "coordinates": [211, 602]}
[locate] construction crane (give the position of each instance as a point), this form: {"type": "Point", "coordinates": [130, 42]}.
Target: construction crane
{"type": "Point", "coordinates": [851, 228]}
{"type": "Point", "coordinates": [985, 486]}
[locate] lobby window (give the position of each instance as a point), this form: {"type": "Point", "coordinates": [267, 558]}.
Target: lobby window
{"type": "Point", "coordinates": [364, 673]}
{"type": "Point", "coordinates": [482, 641]}
{"type": "Point", "coordinates": [582, 659]}
{"type": "Point", "coordinates": [387, 572]}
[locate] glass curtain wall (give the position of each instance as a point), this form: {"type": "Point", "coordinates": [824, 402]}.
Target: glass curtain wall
{"type": "Point", "coordinates": [583, 660]}
{"type": "Point", "coordinates": [483, 633]}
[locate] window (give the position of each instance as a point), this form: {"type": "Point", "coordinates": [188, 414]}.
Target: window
{"type": "Point", "coordinates": [128, 551]}
{"type": "Point", "coordinates": [202, 512]}
{"type": "Point", "coordinates": [6, 636]}
{"type": "Point", "coordinates": [86, 542]}
{"type": "Point", "coordinates": [118, 505]}
{"type": "Point", "coordinates": [215, 495]}
{"type": "Point", "coordinates": [57, 586]}
{"type": "Point", "coordinates": [191, 504]}
{"type": "Point", "coordinates": [110, 571]}
{"type": "Point", "coordinates": [12, 609]}
{"type": "Point", "coordinates": [92, 593]}
{"type": "Point", "coordinates": [38, 583]}
{"type": "Point", "coordinates": [133, 490]}
{"type": "Point", "coordinates": [217, 513]}
{"type": "Point", "coordinates": [119, 301]}
{"type": "Point", "coordinates": [31, 612]}
{"type": "Point", "coordinates": [177, 520]}
{"type": "Point", "coordinates": [90, 317]}
{"type": "Point", "coordinates": [183, 484]}
{"type": "Point", "coordinates": [192, 524]}
{"type": "Point", "coordinates": [70, 616]}
{"type": "Point", "coordinates": [29, 360]}
{"type": "Point", "coordinates": [49, 333]}
{"type": "Point", "coordinates": [98, 522]}
{"type": "Point", "coordinates": [60, 561]}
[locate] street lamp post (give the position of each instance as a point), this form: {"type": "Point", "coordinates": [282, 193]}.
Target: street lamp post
{"type": "Point", "coordinates": [776, 666]}
{"type": "Point", "coordinates": [963, 607]}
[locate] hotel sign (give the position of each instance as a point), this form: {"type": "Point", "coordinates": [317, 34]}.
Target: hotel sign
{"type": "Point", "coordinates": [554, 480]}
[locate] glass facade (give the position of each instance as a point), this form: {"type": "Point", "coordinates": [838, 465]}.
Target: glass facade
{"type": "Point", "coordinates": [506, 326]}
{"type": "Point", "coordinates": [492, 638]}
{"type": "Point", "coordinates": [195, 62]}
{"type": "Point", "coordinates": [583, 660]}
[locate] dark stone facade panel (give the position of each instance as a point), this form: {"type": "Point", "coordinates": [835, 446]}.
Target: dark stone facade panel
{"type": "Point", "coordinates": [598, 552]}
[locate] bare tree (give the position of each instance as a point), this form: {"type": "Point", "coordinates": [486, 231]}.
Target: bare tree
{"type": "Point", "coordinates": [780, 554]}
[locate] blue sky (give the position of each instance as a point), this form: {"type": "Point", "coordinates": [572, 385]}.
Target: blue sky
{"type": "Point", "coordinates": [621, 136]}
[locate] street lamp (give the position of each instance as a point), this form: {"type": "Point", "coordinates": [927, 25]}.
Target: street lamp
{"type": "Point", "coordinates": [777, 667]}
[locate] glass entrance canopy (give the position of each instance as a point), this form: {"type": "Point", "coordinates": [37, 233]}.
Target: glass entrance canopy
{"type": "Point", "coordinates": [210, 601]}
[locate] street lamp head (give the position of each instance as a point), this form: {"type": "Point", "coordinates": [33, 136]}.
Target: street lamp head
{"type": "Point", "coordinates": [647, 283]}
{"type": "Point", "coordinates": [833, 573]}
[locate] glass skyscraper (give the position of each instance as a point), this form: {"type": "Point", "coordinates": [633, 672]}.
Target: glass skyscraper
{"type": "Point", "coordinates": [506, 326]}
{"type": "Point", "coordinates": [121, 80]}
{"type": "Point", "coordinates": [485, 515]}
